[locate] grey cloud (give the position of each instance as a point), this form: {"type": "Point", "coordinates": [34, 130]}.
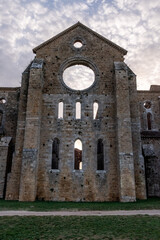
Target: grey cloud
{"type": "Point", "coordinates": [131, 24]}
{"type": "Point", "coordinates": [78, 77]}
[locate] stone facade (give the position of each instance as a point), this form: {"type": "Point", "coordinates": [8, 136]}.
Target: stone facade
{"type": "Point", "coordinates": [9, 98]}
{"type": "Point", "coordinates": [149, 102]}
{"type": "Point", "coordinates": [120, 146]}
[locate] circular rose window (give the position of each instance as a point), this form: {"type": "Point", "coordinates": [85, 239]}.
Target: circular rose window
{"type": "Point", "coordinates": [78, 77]}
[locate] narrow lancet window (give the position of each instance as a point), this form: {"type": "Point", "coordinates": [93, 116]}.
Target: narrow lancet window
{"type": "Point", "coordinates": [78, 155]}
{"type": "Point", "coordinates": [100, 155]}
{"type": "Point", "coordinates": [95, 110]}
{"type": "Point", "coordinates": [78, 110]}
{"type": "Point", "coordinates": [149, 121]}
{"type": "Point", "coordinates": [1, 117]}
{"type": "Point", "coordinates": [60, 110]}
{"type": "Point", "coordinates": [55, 154]}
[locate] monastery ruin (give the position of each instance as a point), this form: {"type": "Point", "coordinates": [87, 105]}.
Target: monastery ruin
{"type": "Point", "coordinates": [95, 143]}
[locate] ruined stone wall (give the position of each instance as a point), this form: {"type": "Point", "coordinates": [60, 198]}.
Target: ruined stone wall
{"type": "Point", "coordinates": [9, 110]}
{"type": "Point", "coordinates": [149, 103]}
{"type": "Point", "coordinates": [4, 150]}
{"type": "Point", "coordinates": [67, 184]}
{"type": "Point", "coordinates": [13, 180]}
{"type": "Point", "coordinates": [117, 126]}
{"type": "Point", "coordinates": [151, 150]}
{"type": "Point", "coordinates": [89, 184]}
{"type": "Point", "coordinates": [9, 98]}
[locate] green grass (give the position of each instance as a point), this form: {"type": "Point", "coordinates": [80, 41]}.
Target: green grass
{"type": "Point", "coordinates": [152, 203]}
{"type": "Point", "coordinates": [87, 228]}
{"type": "Point", "coordinates": [110, 227]}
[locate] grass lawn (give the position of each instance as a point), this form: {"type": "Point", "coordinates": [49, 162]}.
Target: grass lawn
{"type": "Point", "coordinates": [110, 227]}
{"type": "Point", "coordinates": [76, 227]}
{"type": "Point", "coordinates": [152, 203]}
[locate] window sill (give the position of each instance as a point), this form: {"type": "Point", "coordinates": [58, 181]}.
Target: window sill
{"type": "Point", "coordinates": [78, 171]}
{"type": "Point", "coordinates": [54, 171]}
{"type": "Point", "coordinates": [100, 171]}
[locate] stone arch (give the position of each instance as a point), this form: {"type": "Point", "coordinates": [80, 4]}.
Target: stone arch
{"type": "Point", "coordinates": [149, 121]}
{"type": "Point", "coordinates": [100, 154]}
{"type": "Point", "coordinates": [55, 154]}
{"type": "Point", "coordinates": [95, 109]}
{"type": "Point", "coordinates": [60, 109]}
{"type": "Point", "coordinates": [78, 110]}
{"type": "Point", "coordinates": [1, 117]}
{"type": "Point", "coordinates": [78, 154]}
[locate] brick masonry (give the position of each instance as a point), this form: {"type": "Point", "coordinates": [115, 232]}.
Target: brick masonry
{"type": "Point", "coordinates": [131, 154]}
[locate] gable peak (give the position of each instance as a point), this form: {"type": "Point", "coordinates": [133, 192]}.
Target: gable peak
{"type": "Point", "coordinates": [79, 24]}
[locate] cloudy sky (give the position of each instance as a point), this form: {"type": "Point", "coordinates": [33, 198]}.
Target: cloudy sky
{"type": "Point", "coordinates": [132, 24]}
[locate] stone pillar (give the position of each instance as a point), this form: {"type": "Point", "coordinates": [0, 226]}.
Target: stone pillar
{"type": "Point", "coordinates": [28, 183]}
{"type": "Point", "coordinates": [139, 166]}
{"type": "Point", "coordinates": [4, 146]}
{"type": "Point", "coordinates": [13, 179]}
{"type": "Point", "coordinates": [124, 135]}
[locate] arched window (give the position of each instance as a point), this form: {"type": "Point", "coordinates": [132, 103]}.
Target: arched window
{"type": "Point", "coordinates": [1, 117]}
{"type": "Point", "coordinates": [78, 110]}
{"type": "Point", "coordinates": [60, 110]}
{"type": "Point", "coordinates": [100, 155]}
{"type": "Point", "coordinates": [78, 155]}
{"type": "Point", "coordinates": [55, 153]}
{"type": "Point", "coordinates": [149, 121]}
{"type": "Point", "coordinates": [95, 110]}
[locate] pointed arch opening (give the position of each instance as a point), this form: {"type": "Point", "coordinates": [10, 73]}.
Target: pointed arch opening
{"type": "Point", "coordinates": [100, 155]}
{"type": "Point", "coordinates": [149, 121]}
{"type": "Point", "coordinates": [95, 110]}
{"type": "Point", "coordinates": [55, 154]}
{"type": "Point", "coordinates": [1, 117]}
{"type": "Point", "coordinates": [11, 149]}
{"type": "Point", "coordinates": [78, 110]}
{"type": "Point", "coordinates": [60, 109]}
{"type": "Point", "coordinates": [78, 154]}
